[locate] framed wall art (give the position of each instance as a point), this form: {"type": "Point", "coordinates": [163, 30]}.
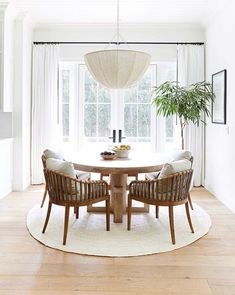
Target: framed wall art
{"type": "Point", "coordinates": [219, 88]}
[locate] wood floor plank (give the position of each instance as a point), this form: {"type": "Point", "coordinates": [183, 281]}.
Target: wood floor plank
{"type": "Point", "coordinates": [111, 271]}
{"type": "Point", "coordinates": [180, 260]}
{"type": "Point", "coordinates": [223, 286]}
{"type": "Point", "coordinates": [65, 292]}
{"type": "Point", "coordinates": [80, 283]}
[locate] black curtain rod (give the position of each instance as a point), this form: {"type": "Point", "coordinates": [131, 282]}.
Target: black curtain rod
{"type": "Point", "coordinates": [120, 43]}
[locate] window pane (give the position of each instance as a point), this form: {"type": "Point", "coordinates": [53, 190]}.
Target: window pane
{"type": "Point", "coordinates": [130, 120]}
{"type": "Point", "coordinates": [65, 120]}
{"type": "Point", "coordinates": [144, 120]}
{"type": "Point", "coordinates": [104, 95]}
{"type": "Point", "coordinates": [90, 120]}
{"type": "Point", "coordinates": [144, 94]}
{"type": "Point", "coordinates": [90, 88]}
{"type": "Point", "coordinates": [131, 94]}
{"type": "Point", "coordinates": [104, 118]}
{"type": "Point", "coordinates": [65, 86]}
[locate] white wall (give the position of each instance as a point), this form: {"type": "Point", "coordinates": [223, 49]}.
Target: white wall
{"type": "Point", "coordinates": [17, 82]}
{"type": "Point", "coordinates": [22, 103]}
{"type": "Point", "coordinates": [129, 32]}
{"type": "Point", "coordinates": [5, 166]}
{"type": "Point", "coordinates": [8, 54]}
{"type": "Point", "coordinates": [6, 124]}
{"type": "Point", "coordinates": [220, 139]}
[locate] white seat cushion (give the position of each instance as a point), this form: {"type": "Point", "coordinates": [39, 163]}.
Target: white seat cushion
{"type": "Point", "coordinates": [174, 167]}
{"type": "Point", "coordinates": [181, 155]}
{"type": "Point", "coordinates": [152, 175]}
{"type": "Point", "coordinates": [177, 155]}
{"type": "Point", "coordinates": [67, 169]}
{"type": "Point", "coordinates": [51, 154]}
{"type": "Point", "coordinates": [61, 166]}
{"type": "Point", "coordinates": [81, 175]}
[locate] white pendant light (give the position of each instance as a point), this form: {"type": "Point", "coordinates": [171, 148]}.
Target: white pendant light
{"type": "Point", "coordinates": [117, 68]}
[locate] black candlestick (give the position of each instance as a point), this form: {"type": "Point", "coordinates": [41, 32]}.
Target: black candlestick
{"type": "Point", "coordinates": [114, 136]}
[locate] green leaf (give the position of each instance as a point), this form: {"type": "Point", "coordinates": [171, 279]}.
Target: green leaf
{"type": "Point", "coordinates": [188, 103]}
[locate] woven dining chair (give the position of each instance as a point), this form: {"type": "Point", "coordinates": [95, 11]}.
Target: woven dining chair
{"type": "Point", "coordinates": [169, 191]}
{"type": "Point", "coordinates": [189, 195]}
{"type": "Point", "coordinates": [45, 190]}
{"type": "Point", "coordinates": [71, 192]}
{"type": "Point", "coordinates": [154, 176]}
{"type": "Point", "coordinates": [81, 175]}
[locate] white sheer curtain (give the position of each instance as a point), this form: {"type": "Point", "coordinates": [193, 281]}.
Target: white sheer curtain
{"type": "Point", "coordinates": [191, 70]}
{"type": "Point", "coordinates": [44, 105]}
{"type": "Point", "coordinates": [158, 132]}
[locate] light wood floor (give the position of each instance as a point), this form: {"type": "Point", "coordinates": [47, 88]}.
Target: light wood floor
{"type": "Point", "coordinates": [27, 267]}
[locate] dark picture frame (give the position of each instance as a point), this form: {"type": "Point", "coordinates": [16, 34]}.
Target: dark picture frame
{"type": "Point", "coordinates": [219, 104]}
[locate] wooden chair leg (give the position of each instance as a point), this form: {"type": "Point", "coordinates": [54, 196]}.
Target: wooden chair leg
{"type": "Point", "coordinates": [89, 208]}
{"type": "Point", "coordinates": [146, 208]}
{"type": "Point", "coordinates": [47, 217]}
{"type": "Point", "coordinates": [189, 218]}
{"type": "Point", "coordinates": [44, 196]}
{"type": "Point", "coordinates": [77, 212]}
{"type": "Point", "coordinates": [171, 218]}
{"type": "Point", "coordinates": [190, 201]}
{"type": "Point", "coordinates": [66, 223]}
{"type": "Point", "coordinates": [107, 209]}
{"type": "Point", "coordinates": [129, 213]}
{"type": "Point", "coordinates": [157, 211]}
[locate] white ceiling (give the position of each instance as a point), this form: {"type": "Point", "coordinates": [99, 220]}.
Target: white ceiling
{"type": "Point", "coordinates": [131, 11]}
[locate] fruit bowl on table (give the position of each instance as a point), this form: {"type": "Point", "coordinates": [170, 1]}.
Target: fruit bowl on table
{"type": "Point", "coordinates": [122, 150]}
{"type": "Point", "coordinates": [108, 155]}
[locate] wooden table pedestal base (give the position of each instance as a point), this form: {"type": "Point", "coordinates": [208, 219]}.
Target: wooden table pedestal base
{"type": "Point", "coordinates": [118, 189]}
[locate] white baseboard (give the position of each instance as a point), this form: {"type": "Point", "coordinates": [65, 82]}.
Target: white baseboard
{"type": "Point", "coordinates": [229, 203]}
{"type": "Point", "coordinates": [5, 192]}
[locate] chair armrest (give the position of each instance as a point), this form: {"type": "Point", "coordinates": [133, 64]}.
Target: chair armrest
{"type": "Point", "coordinates": [174, 187]}
{"type": "Point", "coordinates": [62, 187]}
{"type": "Point", "coordinates": [91, 189]}
{"type": "Point", "coordinates": [140, 188]}
{"type": "Point", "coordinates": [96, 188]}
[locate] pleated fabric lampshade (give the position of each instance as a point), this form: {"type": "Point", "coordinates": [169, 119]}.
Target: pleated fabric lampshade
{"type": "Point", "coordinates": [117, 68]}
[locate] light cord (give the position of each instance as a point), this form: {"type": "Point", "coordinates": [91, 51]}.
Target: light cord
{"type": "Point", "coordinates": [118, 22]}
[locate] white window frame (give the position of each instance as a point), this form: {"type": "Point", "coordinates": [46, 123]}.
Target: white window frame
{"type": "Point", "coordinates": [77, 101]}
{"type": "Point", "coordinates": [71, 68]}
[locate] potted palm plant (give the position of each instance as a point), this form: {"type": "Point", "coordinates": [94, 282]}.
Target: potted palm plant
{"type": "Point", "coordinates": [187, 103]}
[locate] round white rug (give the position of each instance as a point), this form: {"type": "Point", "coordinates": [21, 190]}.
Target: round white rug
{"type": "Point", "coordinates": [87, 235]}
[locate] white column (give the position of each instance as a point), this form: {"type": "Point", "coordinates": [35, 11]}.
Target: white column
{"type": "Point", "coordinates": [22, 103]}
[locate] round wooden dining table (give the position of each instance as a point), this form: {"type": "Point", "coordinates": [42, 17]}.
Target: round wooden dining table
{"type": "Point", "coordinates": [118, 171]}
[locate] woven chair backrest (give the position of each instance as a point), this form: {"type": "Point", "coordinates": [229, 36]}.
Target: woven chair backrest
{"type": "Point", "coordinates": [172, 188]}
